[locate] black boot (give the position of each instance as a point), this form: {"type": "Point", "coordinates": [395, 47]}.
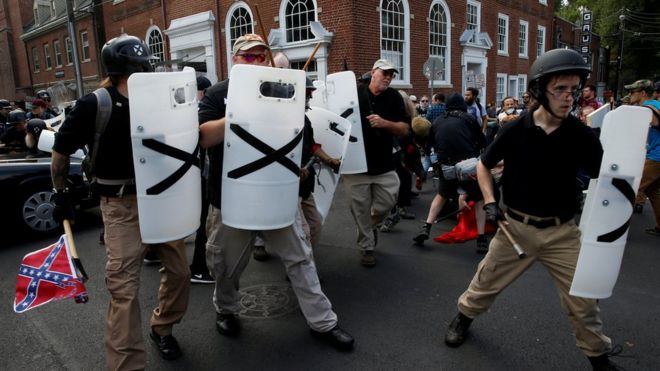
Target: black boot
{"type": "Point", "coordinates": [457, 330]}
{"type": "Point", "coordinates": [482, 244]}
{"type": "Point", "coordinates": [423, 233]}
{"type": "Point", "coordinates": [603, 361]}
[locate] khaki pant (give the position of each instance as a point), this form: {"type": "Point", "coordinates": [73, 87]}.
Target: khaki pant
{"type": "Point", "coordinates": [650, 186]}
{"type": "Point", "coordinates": [557, 248]}
{"type": "Point", "coordinates": [312, 221]}
{"type": "Point", "coordinates": [372, 197]}
{"type": "Point", "coordinates": [228, 251]}
{"type": "Point", "coordinates": [124, 344]}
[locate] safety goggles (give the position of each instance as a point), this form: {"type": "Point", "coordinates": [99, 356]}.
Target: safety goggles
{"type": "Point", "coordinates": [249, 57]}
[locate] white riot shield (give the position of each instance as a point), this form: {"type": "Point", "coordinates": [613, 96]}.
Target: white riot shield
{"type": "Point", "coordinates": [47, 140]}
{"type": "Point", "coordinates": [319, 96]}
{"type": "Point", "coordinates": [332, 132]}
{"type": "Point", "coordinates": [595, 118]}
{"type": "Point", "coordinates": [341, 90]}
{"type": "Point", "coordinates": [263, 147]}
{"type": "Point", "coordinates": [164, 134]}
{"type": "Point", "coordinates": [56, 121]}
{"type": "Point", "coordinates": [610, 200]}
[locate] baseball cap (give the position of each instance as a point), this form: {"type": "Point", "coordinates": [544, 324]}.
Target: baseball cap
{"type": "Point", "coordinates": [248, 41]}
{"type": "Point", "coordinates": [384, 65]}
{"type": "Point", "coordinates": [4, 103]}
{"type": "Point", "coordinates": [39, 103]}
{"type": "Point", "coordinates": [413, 98]}
{"type": "Point", "coordinates": [640, 84]}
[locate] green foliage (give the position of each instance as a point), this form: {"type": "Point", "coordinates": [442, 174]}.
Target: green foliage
{"type": "Point", "coordinates": [641, 35]}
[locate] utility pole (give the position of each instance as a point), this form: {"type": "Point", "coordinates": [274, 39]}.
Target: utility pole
{"type": "Point", "coordinates": [619, 59]}
{"type": "Point", "coordinates": [74, 46]}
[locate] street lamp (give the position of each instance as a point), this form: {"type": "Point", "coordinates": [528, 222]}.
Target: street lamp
{"type": "Point", "coordinates": [619, 59]}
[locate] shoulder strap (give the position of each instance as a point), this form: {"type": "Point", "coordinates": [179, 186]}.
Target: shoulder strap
{"type": "Point", "coordinates": [103, 112]}
{"type": "Point", "coordinates": [653, 110]}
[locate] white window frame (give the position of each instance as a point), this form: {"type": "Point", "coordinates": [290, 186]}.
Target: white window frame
{"type": "Point", "coordinates": [35, 60]}
{"type": "Point", "coordinates": [523, 39]}
{"type": "Point", "coordinates": [522, 86]}
{"type": "Point", "coordinates": [84, 47]}
{"type": "Point", "coordinates": [500, 94]}
{"type": "Point", "coordinates": [229, 41]}
{"type": "Point", "coordinates": [301, 29]}
{"type": "Point", "coordinates": [157, 49]}
{"type": "Point", "coordinates": [447, 57]}
{"type": "Point", "coordinates": [543, 2]}
{"type": "Point", "coordinates": [68, 47]}
{"type": "Point", "coordinates": [47, 59]}
{"type": "Point", "coordinates": [477, 26]}
{"type": "Point", "coordinates": [58, 53]}
{"type": "Point", "coordinates": [400, 60]}
{"type": "Point", "coordinates": [503, 47]}
{"type": "Point", "coordinates": [540, 40]}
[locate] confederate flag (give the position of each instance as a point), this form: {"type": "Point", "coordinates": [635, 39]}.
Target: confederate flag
{"type": "Point", "coordinates": [46, 275]}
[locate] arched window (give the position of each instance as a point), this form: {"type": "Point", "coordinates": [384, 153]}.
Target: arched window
{"type": "Point", "coordinates": [439, 37]}
{"type": "Point", "coordinates": [297, 15]}
{"type": "Point", "coordinates": [155, 44]}
{"type": "Point", "coordinates": [394, 35]}
{"type": "Point", "coordinates": [240, 23]}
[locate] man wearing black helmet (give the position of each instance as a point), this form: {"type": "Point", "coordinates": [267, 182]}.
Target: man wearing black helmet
{"type": "Point", "coordinates": [115, 175]}
{"type": "Point", "coordinates": [542, 152]}
{"type": "Point", "coordinates": [5, 108]}
{"type": "Point", "coordinates": [14, 136]}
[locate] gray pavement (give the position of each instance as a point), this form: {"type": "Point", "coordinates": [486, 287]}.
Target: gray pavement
{"type": "Point", "coordinates": [397, 311]}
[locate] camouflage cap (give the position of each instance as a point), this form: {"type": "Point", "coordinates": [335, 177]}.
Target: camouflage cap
{"type": "Point", "coordinates": [248, 41]}
{"type": "Point", "coordinates": [641, 85]}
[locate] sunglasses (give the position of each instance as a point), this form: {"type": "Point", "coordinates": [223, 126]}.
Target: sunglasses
{"type": "Point", "coordinates": [248, 57]}
{"type": "Point", "coordinates": [633, 91]}
{"type": "Point", "coordinates": [424, 100]}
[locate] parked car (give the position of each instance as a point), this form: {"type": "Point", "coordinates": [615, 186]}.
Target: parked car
{"type": "Point", "coordinates": [26, 191]}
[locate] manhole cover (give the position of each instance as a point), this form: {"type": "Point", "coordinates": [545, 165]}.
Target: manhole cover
{"type": "Point", "coordinates": [267, 301]}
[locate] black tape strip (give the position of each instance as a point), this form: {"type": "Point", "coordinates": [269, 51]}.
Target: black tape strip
{"type": "Point", "coordinates": [272, 155]}
{"type": "Point", "coordinates": [347, 113]}
{"type": "Point", "coordinates": [189, 159]}
{"type": "Point", "coordinates": [334, 127]}
{"type": "Point", "coordinates": [629, 193]}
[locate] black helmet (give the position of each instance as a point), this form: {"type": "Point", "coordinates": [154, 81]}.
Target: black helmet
{"type": "Point", "coordinates": [16, 116]}
{"type": "Point", "coordinates": [35, 126]}
{"type": "Point", "coordinates": [4, 103]}
{"type": "Point", "coordinates": [554, 62]}
{"type": "Point", "coordinates": [43, 94]}
{"type": "Point", "coordinates": [309, 85]}
{"type": "Point", "coordinates": [125, 55]}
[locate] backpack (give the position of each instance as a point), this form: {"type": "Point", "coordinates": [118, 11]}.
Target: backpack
{"type": "Point", "coordinates": [103, 112]}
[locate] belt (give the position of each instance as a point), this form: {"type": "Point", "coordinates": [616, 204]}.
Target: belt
{"type": "Point", "coordinates": [538, 222]}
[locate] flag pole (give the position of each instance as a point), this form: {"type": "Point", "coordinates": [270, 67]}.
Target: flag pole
{"type": "Point", "coordinates": [311, 57]}
{"type": "Point", "coordinates": [72, 249]}
{"type": "Point", "coordinates": [263, 35]}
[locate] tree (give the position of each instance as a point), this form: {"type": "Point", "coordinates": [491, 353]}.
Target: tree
{"type": "Point", "coordinates": [641, 33]}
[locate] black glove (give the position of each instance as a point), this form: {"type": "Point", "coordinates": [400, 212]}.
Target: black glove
{"type": "Point", "coordinates": [63, 207]}
{"type": "Point", "coordinates": [493, 213]}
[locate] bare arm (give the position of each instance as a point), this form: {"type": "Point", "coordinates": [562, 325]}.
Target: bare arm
{"type": "Point", "coordinates": [398, 128]}
{"type": "Point", "coordinates": [485, 183]}
{"type": "Point", "coordinates": [484, 125]}
{"type": "Point", "coordinates": [212, 133]}
{"type": "Point", "coordinates": [59, 170]}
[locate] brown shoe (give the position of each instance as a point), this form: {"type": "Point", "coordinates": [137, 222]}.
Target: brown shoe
{"type": "Point", "coordinates": [368, 259]}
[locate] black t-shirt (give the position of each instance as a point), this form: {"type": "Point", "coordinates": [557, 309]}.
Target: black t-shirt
{"type": "Point", "coordinates": [456, 136]}
{"type": "Point", "coordinates": [212, 107]}
{"type": "Point", "coordinates": [379, 143]}
{"type": "Point", "coordinates": [14, 138]}
{"type": "Point", "coordinates": [540, 169]}
{"type": "Point", "coordinates": [114, 159]}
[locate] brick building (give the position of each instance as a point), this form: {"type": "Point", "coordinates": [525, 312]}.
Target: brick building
{"type": "Point", "coordinates": [489, 44]}
{"type": "Point", "coordinates": [15, 81]}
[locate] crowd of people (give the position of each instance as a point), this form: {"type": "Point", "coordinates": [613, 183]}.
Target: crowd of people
{"type": "Point", "coordinates": [490, 156]}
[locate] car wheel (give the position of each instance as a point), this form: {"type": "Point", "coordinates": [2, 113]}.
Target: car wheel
{"type": "Point", "coordinates": [37, 211]}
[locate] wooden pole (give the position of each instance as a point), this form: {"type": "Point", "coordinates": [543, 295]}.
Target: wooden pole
{"type": "Point", "coordinates": [263, 35]}
{"type": "Point", "coordinates": [311, 57]}
{"type": "Point", "coordinates": [74, 253]}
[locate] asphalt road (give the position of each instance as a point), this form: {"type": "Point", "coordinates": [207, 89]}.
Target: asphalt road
{"type": "Point", "coordinates": [397, 311]}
